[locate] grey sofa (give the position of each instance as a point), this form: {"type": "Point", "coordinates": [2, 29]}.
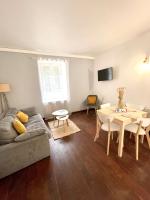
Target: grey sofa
{"type": "Point", "coordinates": [19, 151]}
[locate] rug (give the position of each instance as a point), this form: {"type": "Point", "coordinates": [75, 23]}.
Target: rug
{"type": "Point", "coordinates": [59, 132]}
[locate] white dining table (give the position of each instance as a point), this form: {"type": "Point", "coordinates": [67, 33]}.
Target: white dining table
{"type": "Point", "coordinates": [123, 119]}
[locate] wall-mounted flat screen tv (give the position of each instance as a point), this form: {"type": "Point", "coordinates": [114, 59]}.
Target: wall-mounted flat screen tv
{"type": "Point", "coordinates": [105, 74]}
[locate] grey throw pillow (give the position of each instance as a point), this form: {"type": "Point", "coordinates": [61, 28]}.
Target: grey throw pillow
{"type": "Point", "coordinates": [7, 132]}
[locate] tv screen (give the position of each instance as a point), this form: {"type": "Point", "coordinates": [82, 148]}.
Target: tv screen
{"type": "Point", "coordinates": [105, 74]}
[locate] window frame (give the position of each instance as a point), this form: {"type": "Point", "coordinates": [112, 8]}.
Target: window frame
{"type": "Point", "coordinates": [47, 62]}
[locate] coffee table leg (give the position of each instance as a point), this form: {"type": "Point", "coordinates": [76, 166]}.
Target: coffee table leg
{"type": "Point", "coordinates": [54, 121]}
{"type": "Point", "coordinates": [67, 122]}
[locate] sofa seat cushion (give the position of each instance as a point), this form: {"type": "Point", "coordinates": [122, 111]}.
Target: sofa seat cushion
{"type": "Point", "coordinates": [30, 134]}
{"type": "Point", "coordinates": [7, 132]}
{"type": "Point", "coordinates": [36, 126]}
{"type": "Point", "coordinates": [36, 121]}
{"type": "Point", "coordinates": [33, 128]}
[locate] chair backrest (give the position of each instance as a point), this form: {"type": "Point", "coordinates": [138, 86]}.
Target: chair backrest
{"type": "Point", "coordinates": [105, 118]}
{"type": "Point", "coordinates": [92, 99]}
{"type": "Point", "coordinates": [105, 105]}
{"type": "Point", "coordinates": [147, 109]}
{"type": "Point", "coordinates": [145, 121]}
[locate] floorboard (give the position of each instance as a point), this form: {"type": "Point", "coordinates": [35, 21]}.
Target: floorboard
{"type": "Point", "coordinates": [80, 169]}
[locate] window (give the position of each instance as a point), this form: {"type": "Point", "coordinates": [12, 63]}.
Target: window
{"type": "Point", "coordinates": [53, 76]}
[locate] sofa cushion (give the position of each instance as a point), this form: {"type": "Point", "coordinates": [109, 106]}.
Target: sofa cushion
{"type": "Point", "coordinates": [7, 132]}
{"type": "Point", "coordinates": [30, 134]}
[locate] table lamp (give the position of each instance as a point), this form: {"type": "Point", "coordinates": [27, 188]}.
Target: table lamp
{"type": "Point", "coordinates": [4, 87]}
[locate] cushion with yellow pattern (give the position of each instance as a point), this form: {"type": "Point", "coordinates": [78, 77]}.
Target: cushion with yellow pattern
{"type": "Point", "coordinates": [19, 127]}
{"type": "Point", "coordinates": [22, 117]}
{"type": "Point", "coordinates": [91, 100]}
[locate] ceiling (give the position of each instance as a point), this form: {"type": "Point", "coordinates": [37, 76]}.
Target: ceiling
{"type": "Point", "coordinates": [83, 27]}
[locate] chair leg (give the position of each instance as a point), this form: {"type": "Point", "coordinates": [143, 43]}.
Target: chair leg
{"type": "Point", "coordinates": [54, 121]}
{"type": "Point", "coordinates": [137, 147]}
{"type": "Point", "coordinates": [148, 139]}
{"type": "Point", "coordinates": [58, 124]}
{"type": "Point", "coordinates": [112, 136]}
{"type": "Point", "coordinates": [130, 135]}
{"type": "Point", "coordinates": [117, 141]}
{"type": "Point", "coordinates": [87, 111]}
{"type": "Point", "coordinates": [142, 139]}
{"type": "Point", "coordinates": [67, 122]}
{"type": "Point", "coordinates": [108, 142]}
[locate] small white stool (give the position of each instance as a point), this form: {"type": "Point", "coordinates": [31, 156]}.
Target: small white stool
{"type": "Point", "coordinates": [63, 118]}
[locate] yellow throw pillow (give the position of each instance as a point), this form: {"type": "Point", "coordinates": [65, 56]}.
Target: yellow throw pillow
{"type": "Point", "coordinates": [22, 117]}
{"type": "Point", "coordinates": [20, 128]}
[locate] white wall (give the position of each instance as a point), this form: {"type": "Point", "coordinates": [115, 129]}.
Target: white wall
{"type": "Point", "coordinates": [81, 82]}
{"type": "Point", "coordinates": [20, 71]}
{"type": "Point", "coordinates": [128, 71]}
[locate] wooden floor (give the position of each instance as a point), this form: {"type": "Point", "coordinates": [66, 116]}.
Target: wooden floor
{"type": "Point", "coordinates": [79, 169]}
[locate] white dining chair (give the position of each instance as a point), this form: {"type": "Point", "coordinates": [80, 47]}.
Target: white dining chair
{"type": "Point", "coordinates": [137, 107]}
{"type": "Point", "coordinates": [138, 130]}
{"type": "Point", "coordinates": [145, 122]}
{"type": "Point", "coordinates": [109, 127]}
{"type": "Point", "coordinates": [145, 125]}
{"type": "Point", "coordinates": [106, 105]}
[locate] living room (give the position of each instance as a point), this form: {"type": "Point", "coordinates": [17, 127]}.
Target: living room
{"type": "Point", "coordinates": [55, 143]}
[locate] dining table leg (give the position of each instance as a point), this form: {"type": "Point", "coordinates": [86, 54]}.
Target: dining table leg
{"type": "Point", "coordinates": [147, 135]}
{"type": "Point", "coordinates": [121, 140]}
{"type": "Point", "coordinates": [98, 127]}
{"type": "Point", "coordinates": [148, 139]}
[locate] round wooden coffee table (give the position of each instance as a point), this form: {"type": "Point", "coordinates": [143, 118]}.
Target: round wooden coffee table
{"type": "Point", "coordinates": [59, 113]}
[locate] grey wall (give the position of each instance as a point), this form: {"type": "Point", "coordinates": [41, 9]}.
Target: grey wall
{"type": "Point", "coordinates": [20, 71]}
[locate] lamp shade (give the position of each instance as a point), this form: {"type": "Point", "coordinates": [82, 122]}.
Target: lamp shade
{"type": "Point", "coordinates": [4, 87]}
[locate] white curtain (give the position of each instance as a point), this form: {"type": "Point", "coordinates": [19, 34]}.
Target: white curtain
{"type": "Point", "coordinates": [54, 83]}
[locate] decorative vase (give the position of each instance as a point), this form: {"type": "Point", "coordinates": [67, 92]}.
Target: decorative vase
{"type": "Point", "coordinates": [121, 104]}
